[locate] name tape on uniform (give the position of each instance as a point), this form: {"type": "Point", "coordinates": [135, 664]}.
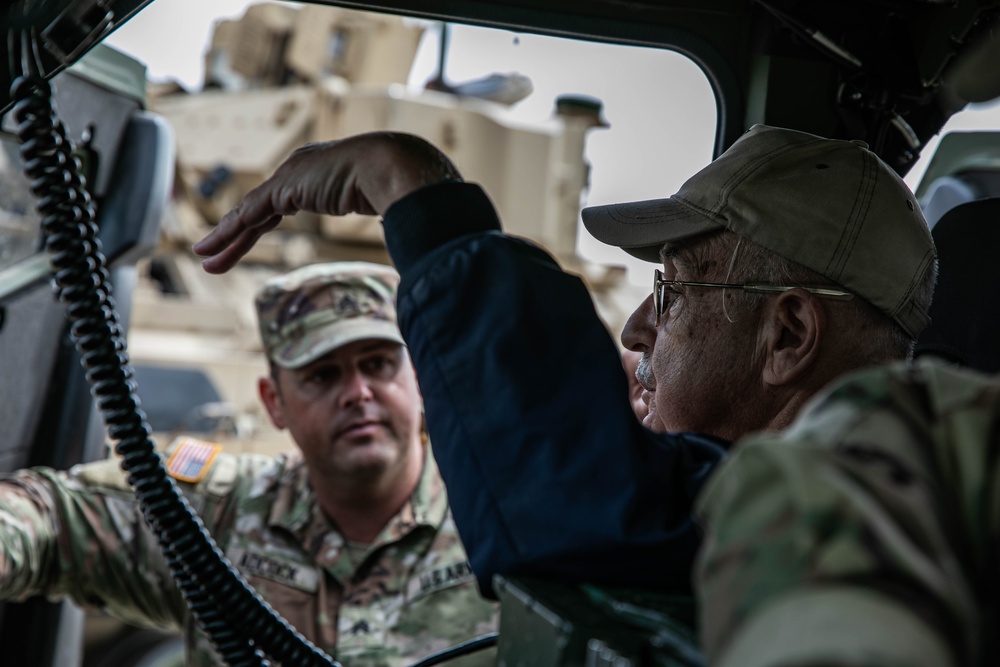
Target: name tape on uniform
{"type": "Point", "coordinates": [268, 566]}
{"type": "Point", "coordinates": [441, 577]}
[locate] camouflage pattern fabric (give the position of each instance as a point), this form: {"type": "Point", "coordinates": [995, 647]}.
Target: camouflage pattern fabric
{"type": "Point", "coordinates": [867, 534]}
{"type": "Point", "coordinates": [304, 314]}
{"type": "Point", "coordinates": [409, 594]}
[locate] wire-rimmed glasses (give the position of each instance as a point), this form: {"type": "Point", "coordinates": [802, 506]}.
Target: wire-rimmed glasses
{"type": "Point", "coordinates": [660, 285]}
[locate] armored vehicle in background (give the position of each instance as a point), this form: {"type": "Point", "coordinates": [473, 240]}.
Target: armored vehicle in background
{"type": "Point", "coordinates": [317, 73]}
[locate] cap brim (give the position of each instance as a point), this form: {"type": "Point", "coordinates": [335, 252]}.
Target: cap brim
{"type": "Point", "coordinates": [641, 228]}
{"type": "Point", "coordinates": [333, 336]}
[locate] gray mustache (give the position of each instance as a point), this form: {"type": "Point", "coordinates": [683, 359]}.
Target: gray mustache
{"type": "Point", "coordinates": [644, 371]}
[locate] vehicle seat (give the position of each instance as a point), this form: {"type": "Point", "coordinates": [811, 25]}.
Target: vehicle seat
{"type": "Point", "coordinates": [944, 194]}
{"type": "Point", "coordinates": [965, 312]}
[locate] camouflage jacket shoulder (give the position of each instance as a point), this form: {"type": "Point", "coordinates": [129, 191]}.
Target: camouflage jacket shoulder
{"type": "Point", "coordinates": [879, 508]}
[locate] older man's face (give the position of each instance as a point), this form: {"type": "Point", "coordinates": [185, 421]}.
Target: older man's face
{"type": "Point", "coordinates": [699, 367]}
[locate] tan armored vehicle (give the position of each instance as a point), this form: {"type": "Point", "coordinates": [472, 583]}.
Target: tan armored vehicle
{"type": "Point", "coordinates": [318, 73]}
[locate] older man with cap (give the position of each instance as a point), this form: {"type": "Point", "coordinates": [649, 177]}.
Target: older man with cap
{"type": "Point", "coordinates": [785, 262]}
{"type": "Point", "coordinates": [350, 538]}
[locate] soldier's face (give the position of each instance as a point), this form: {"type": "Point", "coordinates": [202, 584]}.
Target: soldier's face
{"type": "Point", "coordinates": [355, 412]}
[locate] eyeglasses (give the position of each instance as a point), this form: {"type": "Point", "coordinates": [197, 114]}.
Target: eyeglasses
{"type": "Point", "coordinates": [660, 285]}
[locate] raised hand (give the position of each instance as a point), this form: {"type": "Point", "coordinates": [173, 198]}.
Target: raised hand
{"type": "Point", "coordinates": [364, 174]}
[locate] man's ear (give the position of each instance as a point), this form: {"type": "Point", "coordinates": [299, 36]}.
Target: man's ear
{"type": "Point", "coordinates": [271, 398]}
{"type": "Point", "coordinates": [796, 325]}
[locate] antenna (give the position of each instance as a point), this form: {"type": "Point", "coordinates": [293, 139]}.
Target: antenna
{"type": "Point", "coordinates": [438, 82]}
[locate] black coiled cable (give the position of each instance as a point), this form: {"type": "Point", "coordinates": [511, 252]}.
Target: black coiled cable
{"type": "Point", "coordinates": [240, 624]}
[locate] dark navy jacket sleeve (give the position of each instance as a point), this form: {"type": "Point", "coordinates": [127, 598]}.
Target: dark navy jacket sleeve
{"type": "Point", "coordinates": [548, 471]}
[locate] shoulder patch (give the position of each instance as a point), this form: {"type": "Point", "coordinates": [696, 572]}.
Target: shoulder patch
{"type": "Point", "coordinates": [191, 459]}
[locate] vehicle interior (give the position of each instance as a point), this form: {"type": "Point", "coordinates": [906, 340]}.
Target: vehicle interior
{"type": "Point", "coordinates": [889, 72]}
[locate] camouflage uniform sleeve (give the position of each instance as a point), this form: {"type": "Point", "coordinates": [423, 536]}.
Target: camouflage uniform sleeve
{"type": "Point", "coordinates": [858, 536]}
{"type": "Point", "coordinates": [81, 534]}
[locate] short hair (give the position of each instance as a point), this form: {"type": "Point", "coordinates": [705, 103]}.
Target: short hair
{"type": "Point", "coordinates": [274, 370]}
{"type": "Point", "coordinates": [883, 340]}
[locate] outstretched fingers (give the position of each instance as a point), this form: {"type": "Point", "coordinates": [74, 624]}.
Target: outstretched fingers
{"type": "Point", "coordinates": [238, 231]}
{"type": "Point", "coordinates": [365, 173]}
{"type": "Point", "coordinates": [223, 251]}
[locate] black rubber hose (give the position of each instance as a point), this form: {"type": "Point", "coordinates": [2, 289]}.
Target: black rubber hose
{"type": "Point", "coordinates": [465, 648]}
{"type": "Point", "coordinates": [240, 624]}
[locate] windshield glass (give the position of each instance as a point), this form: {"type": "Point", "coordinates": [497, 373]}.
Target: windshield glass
{"type": "Point", "coordinates": [658, 105]}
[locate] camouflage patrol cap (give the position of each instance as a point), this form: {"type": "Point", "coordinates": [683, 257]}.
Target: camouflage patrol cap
{"type": "Point", "coordinates": [313, 310]}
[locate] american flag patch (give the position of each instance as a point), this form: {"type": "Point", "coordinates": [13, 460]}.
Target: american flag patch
{"type": "Point", "coordinates": [191, 459]}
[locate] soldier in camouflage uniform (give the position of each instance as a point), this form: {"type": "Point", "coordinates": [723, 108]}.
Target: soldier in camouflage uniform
{"type": "Point", "coordinates": [351, 538]}
{"type": "Point", "coordinates": [867, 534]}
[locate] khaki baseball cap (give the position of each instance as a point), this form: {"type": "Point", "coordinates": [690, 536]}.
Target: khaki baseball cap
{"type": "Point", "coordinates": [830, 205]}
{"type": "Point", "coordinates": [314, 310]}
